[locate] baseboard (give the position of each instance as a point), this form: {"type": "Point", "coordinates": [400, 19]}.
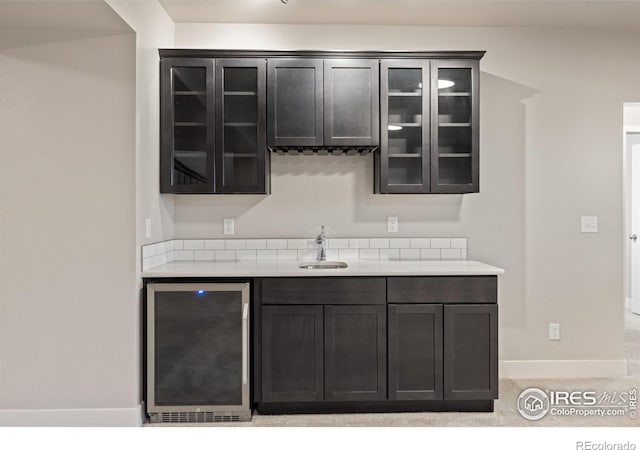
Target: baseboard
{"type": "Point", "coordinates": [605, 368]}
{"type": "Point", "coordinates": [107, 417]}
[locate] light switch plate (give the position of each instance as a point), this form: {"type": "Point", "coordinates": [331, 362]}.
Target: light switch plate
{"type": "Point", "coordinates": [147, 228]}
{"type": "Point", "coordinates": [229, 226]}
{"type": "Point", "coordinates": [554, 331]}
{"type": "Point", "coordinates": [392, 224]}
{"type": "Point", "coordinates": [589, 224]}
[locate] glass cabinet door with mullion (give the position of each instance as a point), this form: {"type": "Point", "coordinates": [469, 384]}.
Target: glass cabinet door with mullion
{"type": "Point", "coordinates": [404, 127]}
{"type": "Point", "coordinates": [241, 150]}
{"type": "Point", "coordinates": [455, 126]}
{"type": "Point", "coordinates": [187, 117]}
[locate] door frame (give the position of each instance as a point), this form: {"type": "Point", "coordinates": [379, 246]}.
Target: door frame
{"type": "Point", "coordinates": [627, 201]}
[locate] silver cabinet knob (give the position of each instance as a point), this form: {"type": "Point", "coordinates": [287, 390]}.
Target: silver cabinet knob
{"type": "Point", "coordinates": [633, 237]}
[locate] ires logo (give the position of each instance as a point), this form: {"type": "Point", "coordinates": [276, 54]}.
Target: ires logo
{"type": "Point", "coordinates": [534, 403]}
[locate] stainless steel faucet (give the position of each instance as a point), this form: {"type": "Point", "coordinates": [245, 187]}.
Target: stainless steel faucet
{"type": "Point", "coordinates": [321, 241]}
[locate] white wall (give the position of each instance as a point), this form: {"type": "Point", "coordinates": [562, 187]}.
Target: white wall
{"type": "Point", "coordinates": [551, 141]}
{"type": "Point", "coordinates": [68, 296]}
{"type": "Point", "coordinates": [154, 29]}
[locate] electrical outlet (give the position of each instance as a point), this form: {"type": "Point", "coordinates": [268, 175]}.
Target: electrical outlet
{"type": "Point", "coordinates": [392, 224]}
{"type": "Point", "coordinates": [589, 224]}
{"type": "Point", "coordinates": [147, 228]}
{"type": "Point", "coordinates": [554, 331]}
{"type": "Point", "coordinates": [229, 226]}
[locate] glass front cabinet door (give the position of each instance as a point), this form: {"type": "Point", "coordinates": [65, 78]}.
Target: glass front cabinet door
{"type": "Point", "coordinates": [454, 126]}
{"type": "Point", "coordinates": [241, 155]}
{"type": "Point", "coordinates": [186, 147]}
{"type": "Point", "coordinates": [404, 127]}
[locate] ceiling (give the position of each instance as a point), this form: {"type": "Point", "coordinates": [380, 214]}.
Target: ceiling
{"type": "Point", "coordinates": [529, 13]}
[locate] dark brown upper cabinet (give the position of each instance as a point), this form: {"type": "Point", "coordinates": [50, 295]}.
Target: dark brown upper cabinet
{"type": "Point", "coordinates": [241, 158]}
{"type": "Point", "coordinates": [429, 113]}
{"type": "Point", "coordinates": [351, 96]}
{"type": "Point", "coordinates": [187, 125]}
{"type": "Point", "coordinates": [315, 102]}
{"type": "Point", "coordinates": [455, 126]}
{"type": "Point", "coordinates": [404, 156]}
{"type": "Point", "coordinates": [213, 126]}
{"type": "Point", "coordinates": [295, 104]}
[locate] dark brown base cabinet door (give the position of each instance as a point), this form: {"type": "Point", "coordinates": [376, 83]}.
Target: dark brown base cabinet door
{"type": "Point", "coordinates": [415, 352]}
{"type": "Point", "coordinates": [470, 352]}
{"type": "Point", "coordinates": [355, 352]}
{"type": "Point", "coordinates": [292, 346]}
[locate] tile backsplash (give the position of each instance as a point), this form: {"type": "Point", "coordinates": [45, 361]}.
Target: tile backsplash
{"type": "Point", "coordinates": [154, 255]}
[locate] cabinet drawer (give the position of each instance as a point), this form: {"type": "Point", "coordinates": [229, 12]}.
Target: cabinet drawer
{"type": "Point", "coordinates": [324, 291]}
{"type": "Point", "coordinates": [453, 289]}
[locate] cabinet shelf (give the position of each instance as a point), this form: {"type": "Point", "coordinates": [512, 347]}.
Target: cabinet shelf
{"type": "Point", "coordinates": [190, 124]}
{"type": "Point", "coordinates": [240, 93]}
{"type": "Point", "coordinates": [455, 155]}
{"type": "Point", "coordinates": [189, 154]}
{"type": "Point", "coordinates": [405, 94]}
{"type": "Point", "coordinates": [405, 155]}
{"type": "Point", "coordinates": [241, 155]}
{"type": "Point", "coordinates": [454, 125]}
{"type": "Point", "coordinates": [189, 93]}
{"type": "Point", "coordinates": [240, 124]}
{"type": "Point", "coordinates": [405, 125]}
{"type": "Point", "coordinates": [454, 94]}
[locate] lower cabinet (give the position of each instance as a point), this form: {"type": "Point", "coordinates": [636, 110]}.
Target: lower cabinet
{"type": "Point", "coordinates": [405, 351]}
{"type": "Point", "coordinates": [471, 352]}
{"type": "Point", "coordinates": [415, 352]}
{"type": "Point", "coordinates": [292, 353]}
{"type": "Point", "coordinates": [355, 352]}
{"type": "Point", "coordinates": [323, 353]}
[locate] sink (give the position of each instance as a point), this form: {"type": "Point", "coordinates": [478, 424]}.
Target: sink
{"type": "Point", "coordinates": [324, 265]}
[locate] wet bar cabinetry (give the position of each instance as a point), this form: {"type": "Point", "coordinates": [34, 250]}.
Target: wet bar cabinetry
{"type": "Point", "coordinates": [224, 111]}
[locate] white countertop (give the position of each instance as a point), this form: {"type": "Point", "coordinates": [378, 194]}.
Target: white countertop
{"type": "Point", "coordinates": [274, 268]}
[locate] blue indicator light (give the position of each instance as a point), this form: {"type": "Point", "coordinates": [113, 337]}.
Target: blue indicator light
{"type": "Point", "coordinates": [200, 292]}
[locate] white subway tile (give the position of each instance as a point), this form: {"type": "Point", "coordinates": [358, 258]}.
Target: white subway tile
{"type": "Point", "coordinates": [458, 242]}
{"type": "Point", "coordinates": [276, 244]}
{"type": "Point", "coordinates": [420, 242]}
{"type": "Point", "coordinates": [296, 244]}
{"type": "Point", "coordinates": [358, 243]}
{"type": "Point", "coordinates": [287, 254]}
{"type": "Point", "coordinates": [389, 253]}
{"type": "Point", "coordinates": [451, 253]}
{"type": "Point", "coordinates": [379, 243]}
{"type": "Point", "coordinates": [399, 243]}
{"type": "Point", "coordinates": [171, 256]}
{"type": "Point", "coordinates": [183, 255]}
{"type": "Point", "coordinates": [266, 254]}
{"type": "Point", "coordinates": [246, 255]}
{"type": "Point", "coordinates": [338, 243]}
{"type": "Point", "coordinates": [369, 253]}
{"type": "Point", "coordinates": [203, 255]}
{"type": "Point", "coordinates": [256, 244]}
{"type": "Point", "coordinates": [311, 243]}
{"type": "Point", "coordinates": [440, 243]}
{"type": "Point", "coordinates": [214, 244]}
{"type": "Point", "coordinates": [148, 251]}
{"type": "Point", "coordinates": [430, 253]}
{"type": "Point", "coordinates": [333, 254]}
{"type": "Point", "coordinates": [235, 244]}
{"type": "Point", "coordinates": [409, 253]}
{"type": "Point", "coordinates": [307, 255]}
{"type": "Point", "coordinates": [194, 244]}
{"type": "Point", "coordinates": [147, 264]}
{"type": "Point", "coordinates": [348, 253]}
{"type": "Point", "coordinates": [178, 244]}
{"type": "Point", "coordinates": [463, 254]}
{"type": "Point", "coordinates": [225, 255]}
